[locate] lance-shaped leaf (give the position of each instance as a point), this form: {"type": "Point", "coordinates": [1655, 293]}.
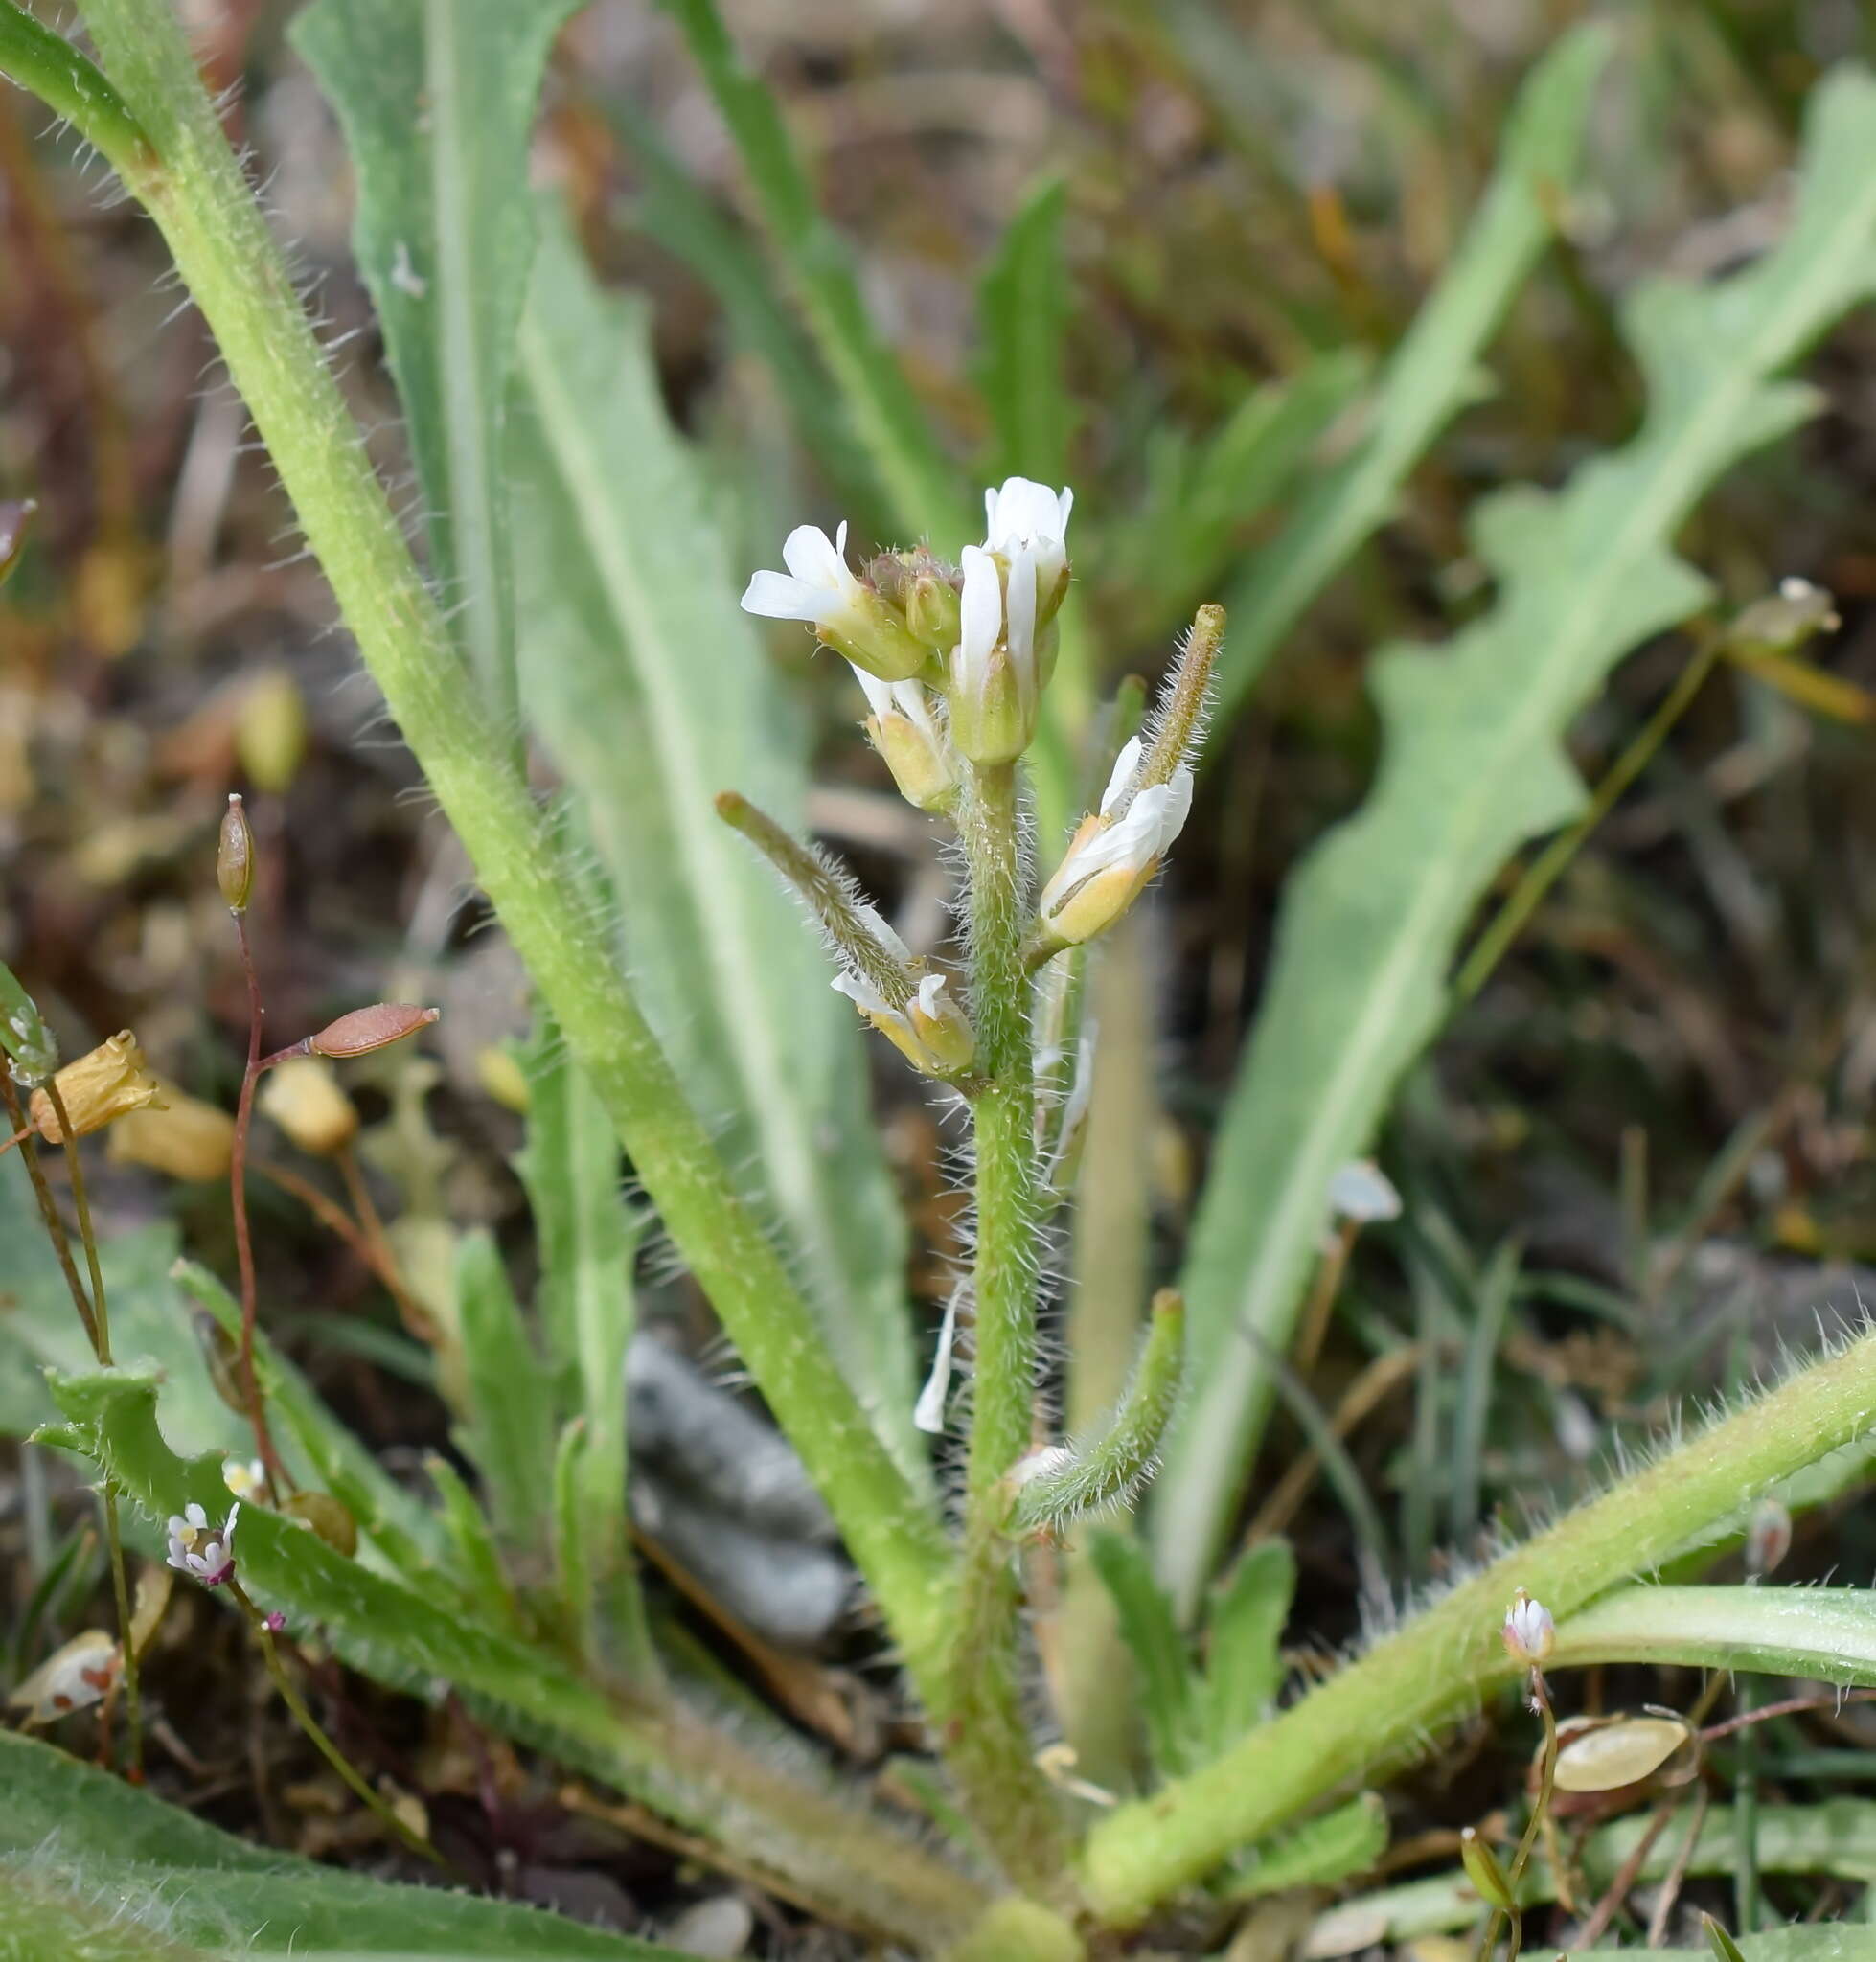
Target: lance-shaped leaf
{"type": "Point", "coordinates": [786, 1818]}
{"type": "Point", "coordinates": [115, 1862]}
{"type": "Point", "coordinates": [1024, 305]}
{"type": "Point", "coordinates": [1432, 373]}
{"type": "Point", "coordinates": [1825, 1633]}
{"type": "Point", "coordinates": [437, 98]}
{"type": "Point", "coordinates": [1474, 766]}
{"type": "Point", "coordinates": [651, 691]}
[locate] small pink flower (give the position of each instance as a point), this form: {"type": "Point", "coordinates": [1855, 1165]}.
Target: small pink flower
{"type": "Point", "coordinates": [1529, 1634]}
{"type": "Point", "coordinates": [273, 1622]}
{"type": "Point", "coordinates": [202, 1555]}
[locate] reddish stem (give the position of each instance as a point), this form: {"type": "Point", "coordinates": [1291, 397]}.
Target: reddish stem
{"type": "Point", "coordinates": [244, 1238]}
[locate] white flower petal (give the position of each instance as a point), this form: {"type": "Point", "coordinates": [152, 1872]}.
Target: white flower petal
{"type": "Point", "coordinates": [932, 995]}
{"type": "Point", "coordinates": [861, 993]}
{"type": "Point", "coordinates": [816, 560]}
{"type": "Point", "coordinates": [878, 694]}
{"type": "Point", "coordinates": [928, 1412]}
{"type": "Point", "coordinates": [880, 929]}
{"type": "Point", "coordinates": [1125, 765]}
{"type": "Point", "coordinates": [1022, 617]}
{"type": "Point", "coordinates": [775, 596]}
{"type": "Point", "coordinates": [1175, 809]}
{"type": "Point", "coordinates": [980, 615]}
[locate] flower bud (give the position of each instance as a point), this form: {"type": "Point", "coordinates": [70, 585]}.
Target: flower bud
{"type": "Point", "coordinates": [1028, 520]}
{"type": "Point", "coordinates": [1529, 1634]}
{"type": "Point", "coordinates": [1768, 1539]}
{"type": "Point", "coordinates": [234, 856]}
{"type": "Point", "coordinates": [366, 1029]}
{"type": "Point", "coordinates": [303, 1096]}
{"type": "Point", "coordinates": [905, 732]}
{"type": "Point", "coordinates": [178, 1135]}
{"type": "Point", "coordinates": [100, 1086]}
{"type": "Point", "coordinates": [994, 683]}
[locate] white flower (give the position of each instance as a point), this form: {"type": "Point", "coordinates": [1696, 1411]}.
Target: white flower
{"type": "Point", "coordinates": [1028, 517]}
{"type": "Point", "coordinates": [244, 1480]}
{"type": "Point", "coordinates": [980, 620]}
{"type": "Point", "coordinates": [1529, 1632]}
{"type": "Point", "coordinates": [821, 589]}
{"type": "Point", "coordinates": [1111, 859]}
{"type": "Point", "coordinates": [930, 1030]}
{"type": "Point", "coordinates": [818, 586]}
{"type": "Point", "coordinates": [203, 1556]}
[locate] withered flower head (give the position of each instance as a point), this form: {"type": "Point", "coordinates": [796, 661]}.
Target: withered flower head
{"type": "Point", "coordinates": [108, 1083]}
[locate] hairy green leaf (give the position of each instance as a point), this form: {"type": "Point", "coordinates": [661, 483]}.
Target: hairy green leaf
{"type": "Point", "coordinates": [1824, 1633]}
{"type": "Point", "coordinates": [649, 687]}
{"type": "Point", "coordinates": [510, 1429]}
{"type": "Point", "coordinates": [1023, 306]}
{"type": "Point", "coordinates": [1152, 1638]}
{"type": "Point", "coordinates": [1430, 376]}
{"type": "Point", "coordinates": [1474, 766]}
{"type": "Point", "coordinates": [785, 1817]}
{"type": "Point", "coordinates": [157, 1874]}
{"type": "Point", "coordinates": [1243, 1664]}
{"type": "Point", "coordinates": [437, 98]}
{"type": "Point", "coordinates": [1319, 1853]}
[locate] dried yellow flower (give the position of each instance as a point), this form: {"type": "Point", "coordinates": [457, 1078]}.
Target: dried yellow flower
{"type": "Point", "coordinates": [109, 1083]}
{"type": "Point", "coordinates": [178, 1134]}
{"type": "Point", "coordinates": [302, 1095]}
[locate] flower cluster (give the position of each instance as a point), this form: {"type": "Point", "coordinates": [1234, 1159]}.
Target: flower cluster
{"type": "Point", "coordinates": [953, 662]}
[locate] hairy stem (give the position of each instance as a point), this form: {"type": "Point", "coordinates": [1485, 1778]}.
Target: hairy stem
{"type": "Point", "coordinates": [991, 1748]}
{"type": "Point", "coordinates": [1380, 1711]}
{"type": "Point", "coordinates": [222, 247]}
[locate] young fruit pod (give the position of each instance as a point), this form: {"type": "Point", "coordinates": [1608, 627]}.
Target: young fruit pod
{"type": "Point", "coordinates": [1060, 1484]}
{"type": "Point", "coordinates": [367, 1028]}
{"type": "Point", "coordinates": [1483, 1870]}
{"type": "Point", "coordinates": [234, 856]}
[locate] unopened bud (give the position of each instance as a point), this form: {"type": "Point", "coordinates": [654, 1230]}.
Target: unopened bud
{"type": "Point", "coordinates": [1768, 1539]}
{"type": "Point", "coordinates": [106, 1083]}
{"type": "Point", "coordinates": [993, 686]}
{"type": "Point", "coordinates": [931, 608]}
{"type": "Point", "coordinates": [904, 727]}
{"type": "Point", "coordinates": [234, 856]}
{"type": "Point", "coordinates": [178, 1135]}
{"type": "Point", "coordinates": [366, 1029]}
{"type": "Point", "coordinates": [1487, 1875]}
{"type": "Point", "coordinates": [303, 1097]}
{"type": "Point", "coordinates": [1529, 1634]}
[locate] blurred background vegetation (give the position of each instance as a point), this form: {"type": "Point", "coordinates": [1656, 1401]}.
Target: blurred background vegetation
{"type": "Point", "coordinates": [1660, 1099]}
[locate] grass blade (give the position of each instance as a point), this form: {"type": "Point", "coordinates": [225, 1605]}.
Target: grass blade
{"type": "Point", "coordinates": [1473, 766]}
{"type": "Point", "coordinates": [444, 238]}
{"type": "Point", "coordinates": [1430, 376]}
{"type": "Point", "coordinates": [1024, 307]}
{"type": "Point", "coordinates": [927, 499]}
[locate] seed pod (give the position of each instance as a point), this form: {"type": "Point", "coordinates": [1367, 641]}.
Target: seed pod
{"type": "Point", "coordinates": [1605, 1757]}
{"type": "Point", "coordinates": [234, 856]}
{"type": "Point", "coordinates": [1487, 1875]}
{"type": "Point", "coordinates": [366, 1029]}
{"type": "Point", "coordinates": [330, 1521]}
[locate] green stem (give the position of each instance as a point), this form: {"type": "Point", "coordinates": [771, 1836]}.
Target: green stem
{"type": "Point", "coordinates": [1549, 864]}
{"type": "Point", "coordinates": [222, 248]}
{"type": "Point", "coordinates": [100, 1333]}
{"type": "Point", "coordinates": [354, 1778]}
{"type": "Point", "coordinates": [1380, 1711]}
{"type": "Point", "coordinates": [990, 1754]}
